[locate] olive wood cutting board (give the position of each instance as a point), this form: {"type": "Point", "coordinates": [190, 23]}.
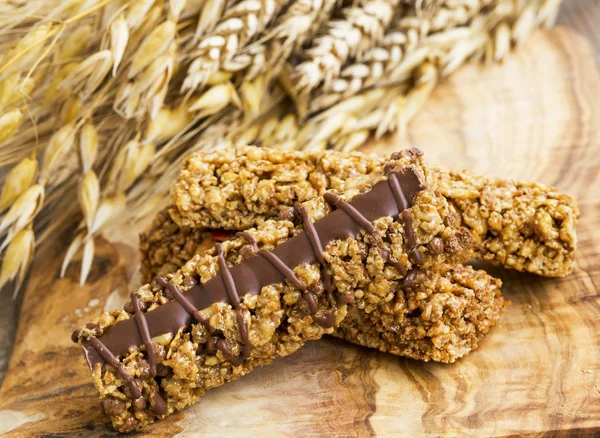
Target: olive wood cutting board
{"type": "Point", "coordinates": [535, 117]}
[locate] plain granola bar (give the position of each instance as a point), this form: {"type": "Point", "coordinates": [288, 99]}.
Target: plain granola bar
{"type": "Point", "coordinates": [520, 225]}
{"type": "Point", "coordinates": [263, 294]}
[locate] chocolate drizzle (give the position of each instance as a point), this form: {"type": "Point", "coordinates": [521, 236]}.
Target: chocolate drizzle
{"type": "Point", "coordinates": [358, 217]}
{"type": "Point", "coordinates": [234, 299]}
{"type": "Point", "coordinates": [285, 270]}
{"type": "Point", "coordinates": [414, 254]}
{"type": "Point", "coordinates": [263, 269]}
{"type": "Point", "coordinates": [396, 190]}
{"type": "Point", "coordinates": [315, 242]}
{"type": "Point", "coordinates": [158, 405]}
{"type": "Point", "coordinates": [403, 205]}
{"type": "Point", "coordinates": [140, 320]}
{"type": "Point", "coordinates": [110, 359]}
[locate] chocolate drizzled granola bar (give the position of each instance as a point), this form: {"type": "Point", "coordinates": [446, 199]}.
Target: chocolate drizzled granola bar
{"type": "Point", "coordinates": [264, 293]}
{"type": "Point", "coordinates": [441, 317]}
{"type": "Point", "coordinates": [520, 225]}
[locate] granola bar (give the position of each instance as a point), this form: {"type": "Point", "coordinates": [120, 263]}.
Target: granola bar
{"type": "Point", "coordinates": [441, 317]}
{"type": "Point", "coordinates": [264, 293]}
{"type": "Point", "coordinates": [525, 226]}
{"type": "Point", "coordinates": [165, 247]}
{"type": "Point", "coordinates": [520, 225]}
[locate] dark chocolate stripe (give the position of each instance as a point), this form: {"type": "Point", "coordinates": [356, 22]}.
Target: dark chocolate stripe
{"type": "Point", "coordinates": [254, 273]}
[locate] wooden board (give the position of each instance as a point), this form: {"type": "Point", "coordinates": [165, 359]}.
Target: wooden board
{"type": "Point", "coordinates": [535, 117]}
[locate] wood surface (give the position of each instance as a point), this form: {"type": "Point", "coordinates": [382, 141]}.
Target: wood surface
{"type": "Point", "coordinates": [535, 117]}
{"type": "Point", "coordinates": [582, 15]}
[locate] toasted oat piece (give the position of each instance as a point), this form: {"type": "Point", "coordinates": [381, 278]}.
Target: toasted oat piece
{"type": "Point", "coordinates": [521, 225]}
{"type": "Point", "coordinates": [264, 293]}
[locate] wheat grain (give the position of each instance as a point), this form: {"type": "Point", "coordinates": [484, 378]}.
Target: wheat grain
{"type": "Point", "coordinates": [70, 110]}
{"type": "Point", "coordinates": [89, 194]}
{"type": "Point", "coordinates": [18, 179]}
{"type": "Point", "coordinates": [119, 36]}
{"type": "Point", "coordinates": [55, 94]}
{"type": "Point", "coordinates": [129, 164]}
{"type": "Point", "coordinates": [214, 100]}
{"type": "Point", "coordinates": [70, 253]}
{"type": "Point", "coordinates": [138, 12]}
{"type": "Point", "coordinates": [17, 258]}
{"type": "Point", "coordinates": [59, 145]}
{"type": "Point", "coordinates": [548, 13]}
{"type": "Point", "coordinates": [89, 74]}
{"type": "Point", "coordinates": [524, 24]}
{"type": "Point", "coordinates": [76, 44]}
{"type": "Point", "coordinates": [22, 212]}
{"type": "Point", "coordinates": [26, 52]}
{"type": "Point", "coordinates": [9, 124]}
{"type": "Point", "coordinates": [176, 7]}
{"type": "Point", "coordinates": [153, 46]}
{"type": "Point", "coordinates": [146, 94]}
{"type": "Point", "coordinates": [86, 259]}
{"type": "Point", "coordinates": [88, 146]}
{"type": "Point", "coordinates": [12, 92]}
{"type": "Point", "coordinates": [168, 123]}
{"type": "Point", "coordinates": [211, 13]}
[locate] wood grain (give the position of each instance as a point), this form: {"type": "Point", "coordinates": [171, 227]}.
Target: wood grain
{"type": "Point", "coordinates": [535, 117]}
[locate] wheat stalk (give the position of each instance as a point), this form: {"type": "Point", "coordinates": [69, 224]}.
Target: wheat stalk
{"type": "Point", "coordinates": [390, 107]}
{"type": "Point", "coordinates": [406, 45]}
{"type": "Point", "coordinates": [363, 26]}
{"type": "Point", "coordinates": [290, 31]}
{"type": "Point", "coordinates": [238, 25]}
